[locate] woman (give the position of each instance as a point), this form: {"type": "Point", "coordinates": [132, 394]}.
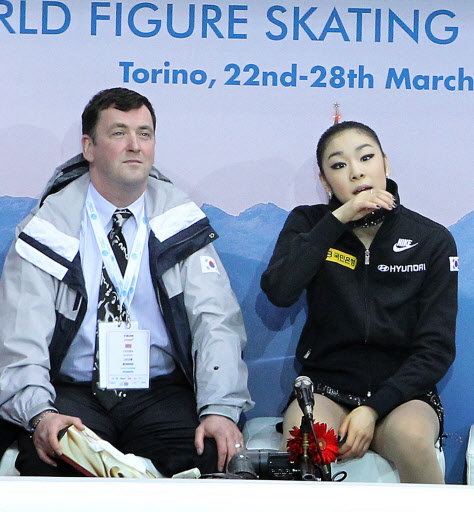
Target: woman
{"type": "Point", "coordinates": [381, 288]}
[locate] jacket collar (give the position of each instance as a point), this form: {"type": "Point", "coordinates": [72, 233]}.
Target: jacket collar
{"type": "Point", "coordinates": [50, 238]}
{"type": "Point", "coordinates": [73, 169]}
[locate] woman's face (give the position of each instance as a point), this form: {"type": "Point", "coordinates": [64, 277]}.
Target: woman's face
{"type": "Point", "coordinates": [353, 162]}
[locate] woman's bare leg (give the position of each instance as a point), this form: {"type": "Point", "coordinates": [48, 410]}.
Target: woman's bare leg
{"type": "Point", "coordinates": [325, 411]}
{"type": "Point", "coordinates": [407, 437]}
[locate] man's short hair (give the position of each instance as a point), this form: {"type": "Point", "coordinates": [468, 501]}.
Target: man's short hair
{"type": "Point", "coordinates": [119, 98]}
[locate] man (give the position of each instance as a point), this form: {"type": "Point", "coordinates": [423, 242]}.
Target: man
{"type": "Point", "coordinates": [136, 334]}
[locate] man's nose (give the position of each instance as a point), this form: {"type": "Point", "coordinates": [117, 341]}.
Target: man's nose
{"type": "Point", "coordinates": [133, 143]}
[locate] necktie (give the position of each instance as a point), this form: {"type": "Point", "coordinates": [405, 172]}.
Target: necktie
{"type": "Point", "coordinates": [108, 308]}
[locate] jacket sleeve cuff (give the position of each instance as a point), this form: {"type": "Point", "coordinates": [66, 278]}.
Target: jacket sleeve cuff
{"type": "Point", "coordinates": [38, 409]}
{"type": "Point", "coordinates": [384, 401]}
{"type": "Point", "coordinates": [229, 411]}
{"type": "Point", "coordinates": [327, 231]}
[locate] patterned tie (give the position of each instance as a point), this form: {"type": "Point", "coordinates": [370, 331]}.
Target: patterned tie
{"type": "Point", "coordinates": [108, 308]}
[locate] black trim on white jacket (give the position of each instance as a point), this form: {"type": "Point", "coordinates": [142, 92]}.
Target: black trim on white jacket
{"type": "Point", "coordinates": [43, 269]}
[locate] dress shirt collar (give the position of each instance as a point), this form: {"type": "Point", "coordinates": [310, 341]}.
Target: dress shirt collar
{"type": "Point", "coordinates": [106, 209]}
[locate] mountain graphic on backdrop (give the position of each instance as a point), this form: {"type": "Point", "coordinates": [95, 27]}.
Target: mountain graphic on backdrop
{"type": "Point", "coordinates": [12, 211]}
{"type": "Point", "coordinates": [249, 236]}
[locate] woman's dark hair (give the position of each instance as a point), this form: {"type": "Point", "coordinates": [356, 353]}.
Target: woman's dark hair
{"type": "Point", "coordinates": [336, 130]}
{"type": "Point", "coordinates": [119, 98]}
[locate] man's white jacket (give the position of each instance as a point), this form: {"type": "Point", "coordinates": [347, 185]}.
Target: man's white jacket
{"type": "Point", "coordinates": [43, 298]}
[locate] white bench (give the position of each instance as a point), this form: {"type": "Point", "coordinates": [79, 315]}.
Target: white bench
{"type": "Point", "coordinates": [260, 433]}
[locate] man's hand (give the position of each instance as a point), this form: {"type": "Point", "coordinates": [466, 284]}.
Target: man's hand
{"type": "Point", "coordinates": [357, 430]}
{"type": "Point", "coordinates": [228, 438]}
{"type": "Point", "coordinates": [45, 436]}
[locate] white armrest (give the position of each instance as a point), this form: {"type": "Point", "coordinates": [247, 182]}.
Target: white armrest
{"type": "Point", "coordinates": [470, 457]}
{"type": "Point", "coordinates": [7, 462]}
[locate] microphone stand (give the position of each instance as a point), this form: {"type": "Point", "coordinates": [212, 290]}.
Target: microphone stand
{"type": "Point", "coordinates": [304, 391]}
{"type": "Point", "coordinates": [304, 460]}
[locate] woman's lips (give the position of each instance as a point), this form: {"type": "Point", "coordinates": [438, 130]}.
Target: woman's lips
{"type": "Point", "coordinates": [361, 189]}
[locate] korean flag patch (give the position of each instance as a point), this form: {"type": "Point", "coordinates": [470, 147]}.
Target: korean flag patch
{"type": "Point", "coordinates": [208, 264]}
{"type": "Point", "coordinates": [454, 263]}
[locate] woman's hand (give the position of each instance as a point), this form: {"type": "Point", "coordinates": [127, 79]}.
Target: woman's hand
{"type": "Point", "coordinates": [357, 431]}
{"type": "Point", "coordinates": [363, 203]}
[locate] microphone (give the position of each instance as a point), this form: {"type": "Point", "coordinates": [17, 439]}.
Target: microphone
{"type": "Point", "coordinates": [304, 390]}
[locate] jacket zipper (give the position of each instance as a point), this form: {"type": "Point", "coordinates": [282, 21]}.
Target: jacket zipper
{"type": "Point", "coordinates": [212, 235]}
{"type": "Point", "coordinates": [366, 286]}
{"type": "Point", "coordinates": [367, 316]}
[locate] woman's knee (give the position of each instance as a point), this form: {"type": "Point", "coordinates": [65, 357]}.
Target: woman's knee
{"type": "Point", "coordinates": [413, 441]}
{"type": "Point", "coordinates": [408, 431]}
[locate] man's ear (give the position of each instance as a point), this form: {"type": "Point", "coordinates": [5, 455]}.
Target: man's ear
{"type": "Point", "coordinates": [88, 148]}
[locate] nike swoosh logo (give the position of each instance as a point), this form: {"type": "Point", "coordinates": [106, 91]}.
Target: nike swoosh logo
{"type": "Point", "coordinates": [405, 248]}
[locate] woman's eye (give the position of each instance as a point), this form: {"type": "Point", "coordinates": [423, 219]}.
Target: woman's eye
{"type": "Point", "coordinates": [367, 157]}
{"type": "Point", "coordinates": [338, 165]}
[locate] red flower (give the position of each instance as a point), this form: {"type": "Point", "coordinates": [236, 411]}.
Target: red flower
{"type": "Point", "coordinates": [327, 441]}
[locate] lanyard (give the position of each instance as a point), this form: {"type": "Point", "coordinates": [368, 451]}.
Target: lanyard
{"type": "Point", "coordinates": [124, 285]}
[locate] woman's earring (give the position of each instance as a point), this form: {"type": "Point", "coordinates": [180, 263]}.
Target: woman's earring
{"type": "Point", "coordinates": [330, 194]}
{"type": "Point", "coordinates": [387, 175]}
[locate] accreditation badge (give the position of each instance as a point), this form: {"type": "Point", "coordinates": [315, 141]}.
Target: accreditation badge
{"type": "Point", "coordinates": [124, 356]}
